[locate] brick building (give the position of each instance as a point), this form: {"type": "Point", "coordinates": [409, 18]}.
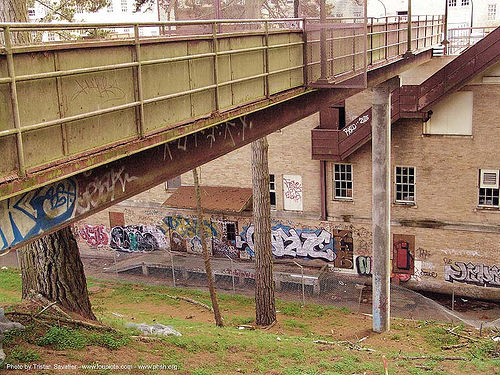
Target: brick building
{"type": "Point", "coordinates": [445, 219]}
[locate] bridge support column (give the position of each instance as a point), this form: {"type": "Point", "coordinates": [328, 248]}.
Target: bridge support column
{"type": "Point", "coordinates": [381, 202]}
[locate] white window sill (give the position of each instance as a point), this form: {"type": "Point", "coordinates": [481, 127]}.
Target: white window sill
{"type": "Point", "coordinates": [351, 200]}
{"type": "Point", "coordinates": [487, 209]}
{"type": "Point", "coordinates": [405, 204]}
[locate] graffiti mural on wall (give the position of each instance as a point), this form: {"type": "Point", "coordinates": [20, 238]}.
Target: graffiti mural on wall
{"type": "Point", "coordinates": [29, 214]}
{"type": "Point", "coordinates": [287, 241]}
{"type": "Point", "coordinates": [94, 235]}
{"type": "Point", "coordinates": [292, 192]}
{"type": "Point", "coordinates": [184, 233]}
{"type": "Point", "coordinates": [470, 273]}
{"type": "Point", "coordinates": [364, 265]}
{"type": "Point", "coordinates": [132, 238]}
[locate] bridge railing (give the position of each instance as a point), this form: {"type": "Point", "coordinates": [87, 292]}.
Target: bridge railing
{"type": "Point", "coordinates": [205, 67]}
{"type": "Point", "coordinates": [462, 38]}
{"type": "Point", "coordinates": [348, 56]}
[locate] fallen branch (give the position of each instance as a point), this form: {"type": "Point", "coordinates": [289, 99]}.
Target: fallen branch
{"type": "Point", "coordinates": [271, 325]}
{"type": "Point", "coordinates": [448, 347]}
{"type": "Point", "coordinates": [45, 308]}
{"type": "Point", "coordinates": [347, 344]}
{"type": "Point", "coordinates": [426, 368]}
{"type": "Point", "coordinates": [192, 301]}
{"type": "Point", "coordinates": [64, 320]}
{"type": "Point", "coordinates": [462, 336]}
{"type": "Point", "coordinates": [435, 358]}
{"type": "Point", "coordinates": [146, 338]}
{"type": "Point", "coordinates": [246, 326]}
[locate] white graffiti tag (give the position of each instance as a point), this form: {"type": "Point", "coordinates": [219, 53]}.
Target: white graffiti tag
{"type": "Point", "coordinates": [102, 189]}
{"type": "Point", "coordinates": [287, 241]}
{"type": "Point", "coordinates": [352, 127]}
{"type": "Point", "coordinates": [471, 273]}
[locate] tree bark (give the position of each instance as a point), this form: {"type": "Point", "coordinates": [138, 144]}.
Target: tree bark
{"type": "Point", "coordinates": [206, 256]}
{"type": "Point", "coordinates": [14, 11]}
{"type": "Point", "coordinates": [51, 266]}
{"type": "Point", "coordinates": [253, 9]}
{"type": "Point", "coordinates": [265, 310]}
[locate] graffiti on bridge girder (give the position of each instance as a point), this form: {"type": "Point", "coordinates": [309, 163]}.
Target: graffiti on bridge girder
{"type": "Point", "coordinates": [29, 214]}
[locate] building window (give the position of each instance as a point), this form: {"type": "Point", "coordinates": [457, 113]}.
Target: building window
{"type": "Point", "coordinates": [51, 37]}
{"type": "Point", "coordinates": [231, 231]}
{"type": "Point", "coordinates": [452, 3]}
{"type": "Point", "coordinates": [488, 188]}
{"type": "Point", "coordinates": [173, 183]}
{"type": "Point", "coordinates": [272, 190]}
{"type": "Point", "coordinates": [357, 14]}
{"type": "Point", "coordinates": [492, 12]}
{"type": "Point", "coordinates": [31, 12]}
{"type": "Point", "coordinates": [405, 184]}
{"type": "Point", "coordinates": [340, 15]}
{"type": "Point", "coordinates": [110, 7]}
{"type": "Point", "coordinates": [343, 181]}
{"type": "Point", "coordinates": [124, 5]}
{"type": "Point", "coordinates": [465, 2]}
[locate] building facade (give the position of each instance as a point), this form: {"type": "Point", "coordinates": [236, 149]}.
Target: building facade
{"type": "Point", "coordinates": [445, 214]}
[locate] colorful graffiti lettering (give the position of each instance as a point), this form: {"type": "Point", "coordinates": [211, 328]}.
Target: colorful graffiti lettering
{"type": "Point", "coordinates": [287, 241]}
{"type": "Point", "coordinates": [187, 227]}
{"type": "Point", "coordinates": [102, 189]}
{"type": "Point", "coordinates": [137, 238]}
{"type": "Point", "coordinates": [94, 236]}
{"type": "Point", "coordinates": [471, 273]}
{"type": "Point", "coordinates": [29, 214]}
{"type": "Point", "coordinates": [364, 265]}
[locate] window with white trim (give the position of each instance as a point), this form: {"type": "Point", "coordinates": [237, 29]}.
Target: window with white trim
{"type": "Point", "coordinates": [124, 5]}
{"type": "Point", "coordinates": [492, 12]}
{"type": "Point", "coordinates": [110, 7]}
{"type": "Point", "coordinates": [489, 188]}
{"type": "Point", "coordinates": [272, 190]}
{"type": "Point", "coordinates": [342, 181]}
{"type": "Point", "coordinates": [405, 185]}
{"type": "Point", "coordinates": [465, 2]}
{"type": "Point", "coordinates": [452, 3]}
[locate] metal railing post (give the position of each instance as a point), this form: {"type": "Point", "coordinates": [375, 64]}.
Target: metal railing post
{"type": "Point", "coordinates": [399, 35]}
{"type": "Point", "coordinates": [215, 49]}
{"type": "Point", "coordinates": [14, 102]}
{"type": "Point", "coordinates": [173, 269]}
{"type": "Point", "coordinates": [232, 271]}
{"type": "Point", "coordinates": [140, 97]}
{"type": "Point", "coordinates": [304, 51]}
{"type": "Point", "coordinates": [322, 41]}
{"type": "Point", "coordinates": [303, 286]}
{"type": "Point", "coordinates": [386, 38]}
{"type": "Point", "coordinates": [409, 31]}
{"type": "Point", "coordinates": [266, 56]}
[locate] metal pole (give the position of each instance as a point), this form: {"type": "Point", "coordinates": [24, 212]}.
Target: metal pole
{"type": "Point", "coordinates": [114, 260]}
{"type": "Point", "coordinates": [445, 41]}
{"type": "Point", "coordinates": [409, 31]}
{"type": "Point", "coordinates": [381, 205]}
{"type": "Point", "coordinates": [173, 270]}
{"type": "Point", "coordinates": [453, 300]}
{"type": "Point", "coordinates": [322, 40]}
{"type": "Point", "coordinates": [303, 287]}
{"type": "Point", "coordinates": [232, 269]}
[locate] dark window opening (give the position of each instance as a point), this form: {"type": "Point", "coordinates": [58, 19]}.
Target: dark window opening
{"type": "Point", "coordinates": [231, 231]}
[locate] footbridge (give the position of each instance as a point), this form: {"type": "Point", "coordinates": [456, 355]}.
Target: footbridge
{"type": "Point", "coordinates": [90, 117]}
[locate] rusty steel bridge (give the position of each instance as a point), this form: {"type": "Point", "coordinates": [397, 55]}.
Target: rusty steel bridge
{"type": "Point", "coordinates": [90, 121]}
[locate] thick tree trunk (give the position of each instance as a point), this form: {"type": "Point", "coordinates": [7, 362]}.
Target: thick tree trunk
{"type": "Point", "coordinates": [253, 9]}
{"type": "Point", "coordinates": [14, 11]}
{"type": "Point", "coordinates": [265, 310]}
{"type": "Point", "coordinates": [51, 266]}
{"type": "Point", "coordinates": [206, 256]}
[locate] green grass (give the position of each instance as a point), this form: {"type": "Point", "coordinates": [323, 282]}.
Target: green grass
{"type": "Point", "coordinates": [10, 282]}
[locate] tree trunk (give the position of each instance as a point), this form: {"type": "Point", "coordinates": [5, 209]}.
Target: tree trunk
{"type": "Point", "coordinates": [253, 9]}
{"type": "Point", "coordinates": [51, 266]}
{"type": "Point", "coordinates": [265, 310]}
{"type": "Point", "coordinates": [14, 11]}
{"type": "Point", "coordinates": [206, 256]}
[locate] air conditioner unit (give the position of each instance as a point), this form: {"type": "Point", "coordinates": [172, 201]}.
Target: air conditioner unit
{"type": "Point", "coordinates": [488, 179]}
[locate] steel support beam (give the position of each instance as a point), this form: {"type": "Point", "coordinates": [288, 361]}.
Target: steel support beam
{"type": "Point", "coordinates": [381, 202]}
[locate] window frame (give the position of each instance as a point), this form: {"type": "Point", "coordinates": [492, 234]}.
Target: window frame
{"type": "Point", "coordinates": [396, 183]}
{"type": "Point", "coordinates": [492, 12]}
{"type": "Point", "coordinates": [479, 188]}
{"type": "Point", "coordinates": [465, 3]}
{"type": "Point", "coordinates": [452, 3]}
{"type": "Point", "coordinates": [335, 181]}
{"type": "Point", "coordinates": [272, 191]}
{"type": "Point", "coordinates": [124, 6]}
